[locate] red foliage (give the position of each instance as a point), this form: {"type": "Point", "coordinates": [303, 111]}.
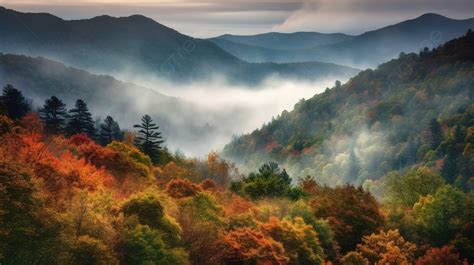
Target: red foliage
{"type": "Point", "coordinates": [80, 139]}
{"type": "Point", "coordinates": [208, 185]}
{"type": "Point", "coordinates": [441, 256]}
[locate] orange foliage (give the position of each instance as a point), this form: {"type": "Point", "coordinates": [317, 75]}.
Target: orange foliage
{"type": "Point", "coordinates": [387, 248]}
{"type": "Point", "coordinates": [182, 188]}
{"type": "Point", "coordinates": [31, 123]}
{"type": "Point", "coordinates": [248, 246]}
{"type": "Point", "coordinates": [238, 206]}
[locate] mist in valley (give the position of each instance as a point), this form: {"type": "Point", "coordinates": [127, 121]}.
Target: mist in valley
{"type": "Point", "coordinates": [217, 110]}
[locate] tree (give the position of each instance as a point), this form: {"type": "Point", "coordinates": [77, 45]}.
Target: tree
{"type": "Point", "coordinates": [54, 115]}
{"type": "Point", "coordinates": [181, 188]}
{"type": "Point", "coordinates": [81, 120]}
{"type": "Point", "coordinates": [353, 170]}
{"type": "Point", "coordinates": [450, 169]}
{"type": "Point", "coordinates": [249, 246]}
{"type": "Point", "coordinates": [444, 255]}
{"type": "Point", "coordinates": [354, 258]}
{"type": "Point", "coordinates": [387, 248]}
{"type": "Point", "coordinates": [441, 216]}
{"type": "Point", "coordinates": [109, 131]}
{"type": "Point", "coordinates": [29, 231]}
{"type": "Point", "coordinates": [299, 240]}
{"type": "Point", "coordinates": [406, 190]}
{"type": "Point", "coordinates": [143, 245]}
{"type": "Point", "coordinates": [15, 103]}
{"type": "Point", "coordinates": [351, 212]}
{"type": "Point", "coordinates": [270, 181]}
{"type": "Point", "coordinates": [149, 139]}
{"type": "Point", "coordinates": [436, 133]}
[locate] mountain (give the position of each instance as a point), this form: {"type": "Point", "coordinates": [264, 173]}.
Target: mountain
{"type": "Point", "coordinates": [137, 46]}
{"type": "Point", "coordinates": [287, 41]}
{"type": "Point", "coordinates": [182, 123]}
{"type": "Point", "coordinates": [377, 122]}
{"type": "Point", "coordinates": [366, 50]}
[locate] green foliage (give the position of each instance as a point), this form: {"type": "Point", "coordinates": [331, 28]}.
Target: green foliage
{"type": "Point", "coordinates": [90, 251]}
{"type": "Point", "coordinates": [30, 233]}
{"type": "Point", "coordinates": [406, 190]}
{"type": "Point", "coordinates": [441, 216]}
{"type": "Point", "coordinates": [149, 210]}
{"type": "Point", "coordinates": [139, 162]}
{"type": "Point", "coordinates": [386, 114]}
{"type": "Point", "coordinates": [143, 245]}
{"type": "Point", "coordinates": [268, 182]}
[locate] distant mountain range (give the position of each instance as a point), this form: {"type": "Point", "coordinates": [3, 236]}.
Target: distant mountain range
{"type": "Point", "coordinates": [287, 41]}
{"type": "Point", "coordinates": [365, 50]}
{"type": "Point", "coordinates": [379, 119]}
{"type": "Point", "coordinates": [138, 45]}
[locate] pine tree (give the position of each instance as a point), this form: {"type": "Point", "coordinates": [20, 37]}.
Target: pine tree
{"type": "Point", "coordinates": [149, 139]}
{"type": "Point", "coordinates": [80, 120]}
{"type": "Point", "coordinates": [54, 115]}
{"type": "Point", "coordinates": [15, 103]}
{"type": "Point", "coordinates": [458, 135]}
{"type": "Point", "coordinates": [436, 133]}
{"type": "Point", "coordinates": [450, 170]}
{"type": "Point", "coordinates": [353, 170]}
{"type": "Point", "coordinates": [109, 131]}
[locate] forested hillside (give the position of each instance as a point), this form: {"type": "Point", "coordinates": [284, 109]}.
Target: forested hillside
{"type": "Point", "coordinates": [76, 192]}
{"type": "Point", "coordinates": [381, 120]}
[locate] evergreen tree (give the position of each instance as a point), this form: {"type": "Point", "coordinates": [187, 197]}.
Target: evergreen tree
{"type": "Point", "coordinates": [149, 139]}
{"type": "Point", "coordinates": [54, 115]}
{"type": "Point", "coordinates": [80, 120]}
{"type": "Point", "coordinates": [353, 170]}
{"type": "Point", "coordinates": [109, 131]}
{"type": "Point", "coordinates": [436, 133]}
{"type": "Point", "coordinates": [450, 170]}
{"type": "Point", "coordinates": [458, 135]}
{"type": "Point", "coordinates": [15, 103]}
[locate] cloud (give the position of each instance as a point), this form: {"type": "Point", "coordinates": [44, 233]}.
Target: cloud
{"type": "Point", "coordinates": [355, 17]}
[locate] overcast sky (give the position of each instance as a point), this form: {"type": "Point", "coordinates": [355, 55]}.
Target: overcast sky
{"type": "Point", "coordinates": [200, 18]}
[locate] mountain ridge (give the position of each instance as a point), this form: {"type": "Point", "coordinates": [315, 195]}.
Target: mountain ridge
{"type": "Point", "coordinates": [135, 44]}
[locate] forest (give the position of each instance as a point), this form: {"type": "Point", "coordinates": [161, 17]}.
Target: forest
{"type": "Point", "coordinates": [77, 190]}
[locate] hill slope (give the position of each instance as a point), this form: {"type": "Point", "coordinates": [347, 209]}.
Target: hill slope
{"type": "Point", "coordinates": [181, 121]}
{"type": "Point", "coordinates": [365, 50]}
{"type": "Point", "coordinates": [373, 124]}
{"type": "Point", "coordinates": [135, 45]}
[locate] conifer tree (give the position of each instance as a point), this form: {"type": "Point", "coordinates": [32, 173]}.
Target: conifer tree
{"type": "Point", "coordinates": [149, 139]}
{"type": "Point", "coordinates": [109, 130]}
{"type": "Point", "coordinates": [80, 120]}
{"type": "Point", "coordinates": [450, 170]}
{"type": "Point", "coordinates": [436, 133]}
{"type": "Point", "coordinates": [14, 102]}
{"type": "Point", "coordinates": [54, 115]}
{"type": "Point", "coordinates": [353, 170]}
